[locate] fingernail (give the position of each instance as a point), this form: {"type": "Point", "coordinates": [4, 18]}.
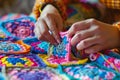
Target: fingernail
{"type": "Point", "coordinates": [58, 41]}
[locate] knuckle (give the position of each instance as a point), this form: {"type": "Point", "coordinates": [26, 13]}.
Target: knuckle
{"type": "Point", "coordinates": [78, 36]}
{"type": "Point", "coordinates": [47, 15]}
{"type": "Point", "coordinates": [44, 32]}
{"type": "Point", "coordinates": [92, 20]}
{"type": "Point", "coordinates": [52, 26]}
{"type": "Point", "coordinates": [84, 43]}
{"type": "Point", "coordinates": [74, 27]}
{"type": "Point", "coordinates": [98, 29]}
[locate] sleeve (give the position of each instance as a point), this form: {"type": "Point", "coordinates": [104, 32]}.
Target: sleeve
{"type": "Point", "coordinates": [113, 4]}
{"type": "Point", "coordinates": [118, 26]}
{"type": "Point", "coordinates": [59, 4]}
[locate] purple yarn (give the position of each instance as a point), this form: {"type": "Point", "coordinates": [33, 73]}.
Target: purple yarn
{"type": "Point", "coordinates": [33, 76]}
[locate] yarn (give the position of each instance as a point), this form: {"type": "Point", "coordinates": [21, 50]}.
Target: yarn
{"type": "Point", "coordinates": [21, 60]}
{"type": "Point", "coordinates": [21, 27]}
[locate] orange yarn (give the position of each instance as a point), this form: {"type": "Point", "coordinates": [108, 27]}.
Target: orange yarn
{"type": "Point", "coordinates": [26, 47]}
{"type": "Point", "coordinates": [59, 4]}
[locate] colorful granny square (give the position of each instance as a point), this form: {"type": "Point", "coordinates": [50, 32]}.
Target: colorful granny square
{"type": "Point", "coordinates": [106, 60]}
{"type": "Point", "coordinates": [18, 47]}
{"type": "Point", "coordinates": [54, 62]}
{"type": "Point", "coordinates": [33, 74]}
{"type": "Point", "coordinates": [30, 60]}
{"type": "Point", "coordinates": [21, 27]}
{"type": "Point", "coordinates": [61, 54]}
{"type": "Point", "coordinates": [37, 46]}
{"type": "Point", "coordinates": [5, 36]}
{"type": "Point", "coordinates": [89, 71]}
{"type": "Point", "coordinates": [62, 50]}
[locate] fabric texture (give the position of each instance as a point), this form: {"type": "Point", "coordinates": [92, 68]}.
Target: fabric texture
{"type": "Point", "coordinates": [59, 57]}
{"type": "Point", "coordinates": [30, 60]}
{"type": "Point", "coordinates": [33, 74]}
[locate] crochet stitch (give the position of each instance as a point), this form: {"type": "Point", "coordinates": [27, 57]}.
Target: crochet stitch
{"type": "Point", "coordinates": [30, 60]}
{"type": "Point", "coordinates": [18, 47]}
{"type": "Point", "coordinates": [37, 46]}
{"type": "Point", "coordinates": [21, 27]}
{"type": "Point", "coordinates": [33, 74]}
{"type": "Point", "coordinates": [88, 71]}
{"type": "Point", "coordinates": [61, 54]}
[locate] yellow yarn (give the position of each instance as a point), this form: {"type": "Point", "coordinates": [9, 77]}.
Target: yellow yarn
{"type": "Point", "coordinates": [109, 62]}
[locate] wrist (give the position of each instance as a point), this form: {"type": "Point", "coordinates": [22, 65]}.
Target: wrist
{"type": "Point", "coordinates": [117, 25]}
{"type": "Point", "coordinates": [58, 4]}
{"type": "Point", "coordinates": [50, 9]}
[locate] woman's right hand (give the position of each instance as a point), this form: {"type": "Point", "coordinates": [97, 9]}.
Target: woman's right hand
{"type": "Point", "coordinates": [48, 25]}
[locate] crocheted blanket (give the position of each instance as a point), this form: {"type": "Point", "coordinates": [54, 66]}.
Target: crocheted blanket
{"type": "Point", "coordinates": [24, 57]}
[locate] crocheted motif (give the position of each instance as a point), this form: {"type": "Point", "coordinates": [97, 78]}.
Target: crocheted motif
{"type": "Point", "coordinates": [62, 50]}
{"type": "Point", "coordinates": [61, 54]}
{"type": "Point", "coordinates": [21, 61]}
{"type": "Point", "coordinates": [33, 74]}
{"type": "Point", "coordinates": [5, 36]}
{"type": "Point", "coordinates": [89, 71]}
{"type": "Point", "coordinates": [21, 27]}
{"type": "Point", "coordinates": [107, 61]}
{"type": "Point", "coordinates": [37, 46]}
{"type": "Point", "coordinates": [17, 47]}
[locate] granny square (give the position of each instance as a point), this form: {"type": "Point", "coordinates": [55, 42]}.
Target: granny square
{"type": "Point", "coordinates": [21, 27]}
{"type": "Point", "coordinates": [30, 60]}
{"type": "Point", "coordinates": [17, 47]}
{"type": "Point", "coordinates": [33, 74]}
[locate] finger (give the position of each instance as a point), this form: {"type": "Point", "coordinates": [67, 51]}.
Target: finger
{"type": "Point", "coordinates": [94, 49]}
{"type": "Point", "coordinates": [38, 33]}
{"type": "Point", "coordinates": [59, 23]}
{"type": "Point", "coordinates": [82, 25]}
{"type": "Point", "coordinates": [80, 36]}
{"type": "Point", "coordinates": [45, 31]}
{"type": "Point", "coordinates": [36, 30]}
{"type": "Point", "coordinates": [52, 26]}
{"type": "Point", "coordinates": [87, 43]}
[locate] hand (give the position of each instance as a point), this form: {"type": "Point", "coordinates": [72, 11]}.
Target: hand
{"type": "Point", "coordinates": [93, 36]}
{"type": "Point", "coordinates": [49, 25]}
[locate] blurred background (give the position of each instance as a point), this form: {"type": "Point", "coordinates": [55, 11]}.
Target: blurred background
{"type": "Point", "coordinates": [16, 6]}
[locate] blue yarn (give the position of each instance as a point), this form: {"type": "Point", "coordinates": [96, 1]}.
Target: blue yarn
{"type": "Point", "coordinates": [2, 77]}
{"type": "Point", "coordinates": [44, 45]}
{"type": "Point", "coordinates": [15, 60]}
{"type": "Point", "coordinates": [60, 50]}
